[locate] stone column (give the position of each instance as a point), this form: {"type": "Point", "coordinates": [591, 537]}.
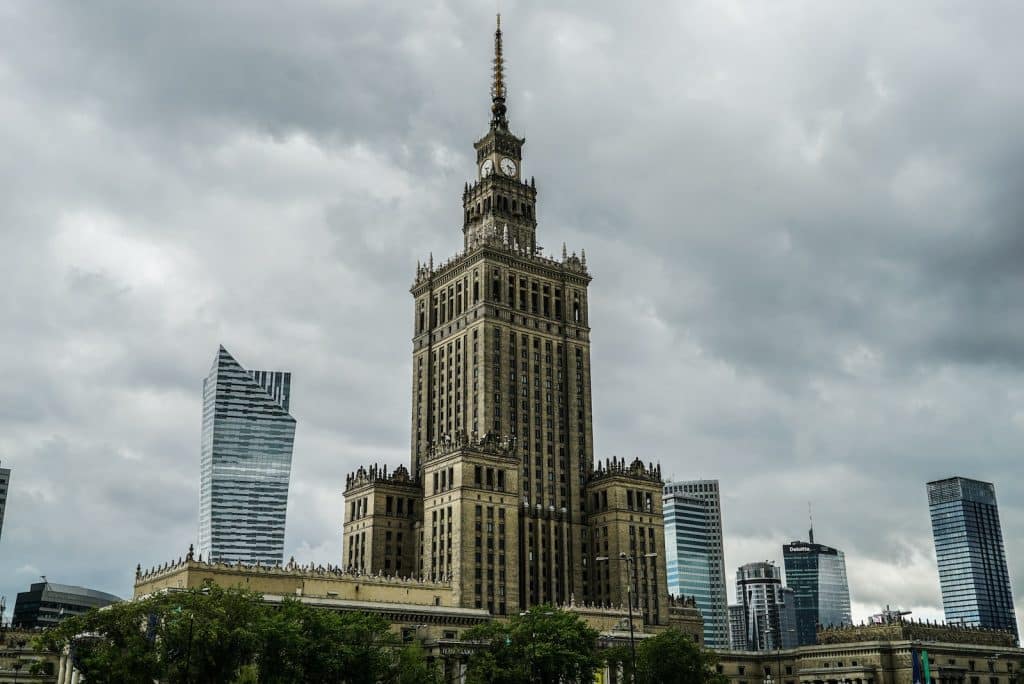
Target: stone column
{"type": "Point", "coordinates": [74, 676]}
{"type": "Point", "coordinates": [62, 669]}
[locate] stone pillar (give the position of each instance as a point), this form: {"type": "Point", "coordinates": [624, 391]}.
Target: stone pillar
{"type": "Point", "coordinates": [74, 676]}
{"type": "Point", "coordinates": [62, 669]}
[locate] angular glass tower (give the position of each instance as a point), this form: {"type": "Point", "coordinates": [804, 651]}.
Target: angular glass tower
{"type": "Point", "coordinates": [817, 575]}
{"type": "Point", "coordinates": [246, 459]}
{"type": "Point", "coordinates": [969, 549]}
{"type": "Point", "coordinates": [694, 553]}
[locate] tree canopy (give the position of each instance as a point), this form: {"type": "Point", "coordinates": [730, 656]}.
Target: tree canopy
{"type": "Point", "coordinates": [672, 657]}
{"type": "Point", "coordinates": [214, 635]}
{"type": "Point", "coordinates": [543, 645]}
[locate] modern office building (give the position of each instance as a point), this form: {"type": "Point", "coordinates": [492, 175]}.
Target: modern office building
{"type": "Point", "coordinates": [5, 478]}
{"type": "Point", "coordinates": [694, 553]}
{"type": "Point", "coordinates": [971, 558]}
{"type": "Point", "coordinates": [46, 603]}
{"type": "Point", "coordinates": [768, 618]}
{"type": "Point", "coordinates": [737, 628]}
{"type": "Point", "coordinates": [246, 458]}
{"type": "Point", "coordinates": [817, 575]}
{"type": "Point", "coordinates": [787, 618]}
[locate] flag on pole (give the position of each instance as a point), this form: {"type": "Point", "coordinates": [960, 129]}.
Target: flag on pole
{"type": "Point", "coordinates": [916, 663]}
{"type": "Point", "coordinates": [926, 667]}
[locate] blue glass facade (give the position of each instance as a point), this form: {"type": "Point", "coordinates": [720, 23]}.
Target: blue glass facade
{"type": "Point", "coordinates": [969, 550]}
{"type": "Point", "coordinates": [694, 555]}
{"type": "Point", "coordinates": [246, 458]}
{"type": "Point", "coordinates": [817, 575]}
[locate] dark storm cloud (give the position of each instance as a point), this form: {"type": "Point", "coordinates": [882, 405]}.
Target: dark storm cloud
{"type": "Point", "coordinates": [804, 223]}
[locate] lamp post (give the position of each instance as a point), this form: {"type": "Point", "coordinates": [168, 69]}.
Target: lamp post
{"type": "Point", "coordinates": [778, 648]}
{"type": "Point", "coordinates": [630, 590]}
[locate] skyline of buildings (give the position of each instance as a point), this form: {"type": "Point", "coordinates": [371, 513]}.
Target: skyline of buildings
{"type": "Point", "coordinates": [695, 555]}
{"type": "Point", "coordinates": [245, 463]}
{"type": "Point", "coordinates": [817, 575]}
{"type": "Point", "coordinates": [520, 237]}
{"type": "Point", "coordinates": [970, 554]}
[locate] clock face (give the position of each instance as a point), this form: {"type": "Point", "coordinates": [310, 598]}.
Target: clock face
{"type": "Point", "coordinates": [487, 168]}
{"type": "Point", "coordinates": [508, 167]}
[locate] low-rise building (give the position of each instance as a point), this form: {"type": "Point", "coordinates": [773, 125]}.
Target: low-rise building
{"type": "Point", "coordinates": [21, 662]}
{"type": "Point", "coordinates": [427, 611]}
{"type": "Point", "coordinates": [883, 654]}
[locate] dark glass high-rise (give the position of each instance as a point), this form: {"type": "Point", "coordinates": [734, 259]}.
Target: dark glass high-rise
{"type": "Point", "coordinates": [970, 553]}
{"type": "Point", "coordinates": [817, 575]}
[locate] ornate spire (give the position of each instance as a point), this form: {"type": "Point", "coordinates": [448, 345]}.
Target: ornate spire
{"type": "Point", "coordinates": [498, 87]}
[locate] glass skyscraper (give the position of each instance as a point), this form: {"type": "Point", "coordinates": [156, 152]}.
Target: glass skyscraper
{"type": "Point", "coordinates": [767, 606]}
{"type": "Point", "coordinates": [737, 628]}
{"type": "Point", "coordinates": [969, 549]}
{"type": "Point", "coordinates": [817, 575]}
{"type": "Point", "coordinates": [246, 458]}
{"type": "Point", "coordinates": [694, 553]}
{"type": "Point", "coordinates": [5, 476]}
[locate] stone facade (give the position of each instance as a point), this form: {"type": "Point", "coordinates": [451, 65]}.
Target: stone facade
{"type": "Point", "coordinates": [429, 612]}
{"type": "Point", "coordinates": [295, 580]}
{"type": "Point", "coordinates": [379, 521]}
{"type": "Point", "coordinates": [507, 504]}
{"type": "Point", "coordinates": [18, 657]}
{"type": "Point", "coordinates": [911, 630]}
{"type": "Point", "coordinates": [881, 661]}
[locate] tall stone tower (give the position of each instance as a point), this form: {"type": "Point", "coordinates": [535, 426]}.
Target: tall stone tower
{"type": "Point", "coordinates": [502, 446]}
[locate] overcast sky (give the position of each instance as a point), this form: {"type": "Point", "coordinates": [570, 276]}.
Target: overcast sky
{"type": "Point", "coordinates": [805, 223]}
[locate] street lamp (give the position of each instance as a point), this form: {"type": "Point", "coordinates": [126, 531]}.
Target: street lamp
{"type": "Point", "coordinates": [630, 590]}
{"type": "Point", "coordinates": [778, 647]}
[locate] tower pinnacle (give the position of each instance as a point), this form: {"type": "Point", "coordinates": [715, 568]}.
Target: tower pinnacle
{"type": "Point", "coordinates": [498, 87]}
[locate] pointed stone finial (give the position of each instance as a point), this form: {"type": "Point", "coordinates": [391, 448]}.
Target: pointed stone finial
{"type": "Point", "coordinates": [498, 108]}
{"type": "Point", "coordinates": [583, 258]}
{"type": "Point", "coordinates": [564, 253]}
{"type": "Point", "coordinates": [191, 553]}
{"type": "Point", "coordinates": [138, 571]}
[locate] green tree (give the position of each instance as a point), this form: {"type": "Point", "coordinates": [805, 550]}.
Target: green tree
{"type": "Point", "coordinates": [498, 660]}
{"type": "Point", "coordinates": [411, 667]}
{"type": "Point", "coordinates": [306, 644]}
{"type": "Point", "coordinates": [214, 635]}
{"type": "Point", "coordinates": [208, 635]}
{"type": "Point", "coordinates": [544, 645]}
{"type": "Point", "coordinates": [672, 657]}
{"type": "Point", "coordinates": [110, 646]}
